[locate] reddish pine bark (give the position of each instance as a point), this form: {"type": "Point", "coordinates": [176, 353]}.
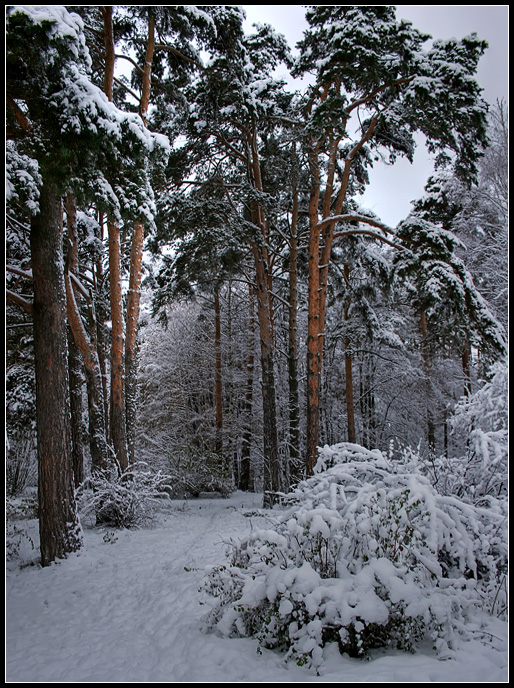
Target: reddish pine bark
{"type": "Point", "coordinates": [133, 309]}
{"type": "Point", "coordinates": [320, 247]}
{"type": "Point", "coordinates": [295, 463]}
{"type": "Point", "coordinates": [58, 521]}
{"type": "Point", "coordinates": [74, 358]}
{"type": "Point", "coordinates": [87, 346]}
{"type": "Point", "coordinates": [348, 368]}
{"type": "Point", "coordinates": [245, 476]}
{"type": "Point", "coordinates": [117, 408]}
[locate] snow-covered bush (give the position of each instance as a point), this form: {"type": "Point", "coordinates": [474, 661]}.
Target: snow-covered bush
{"type": "Point", "coordinates": [366, 554]}
{"type": "Point", "coordinates": [120, 499]}
{"type": "Point", "coordinates": [20, 463]}
{"type": "Point", "coordinates": [18, 512]}
{"type": "Point", "coordinates": [195, 472]}
{"type": "Point", "coordinates": [482, 419]}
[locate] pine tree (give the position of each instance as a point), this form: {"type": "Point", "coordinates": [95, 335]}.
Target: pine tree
{"type": "Point", "coordinates": [66, 126]}
{"type": "Point", "coordinates": [367, 64]}
{"type": "Point", "coordinates": [234, 100]}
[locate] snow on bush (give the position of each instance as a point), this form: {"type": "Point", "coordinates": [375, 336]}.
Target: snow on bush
{"type": "Point", "coordinates": [481, 419]}
{"type": "Point", "coordinates": [123, 499]}
{"type": "Point", "coordinates": [366, 554]}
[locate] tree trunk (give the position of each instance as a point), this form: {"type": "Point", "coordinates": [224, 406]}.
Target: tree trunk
{"type": "Point", "coordinates": [117, 407]}
{"type": "Point", "coordinates": [348, 367]}
{"type": "Point", "coordinates": [147, 69]}
{"type": "Point", "coordinates": [102, 335]}
{"type": "Point", "coordinates": [74, 358]}
{"type": "Point", "coordinates": [295, 463]}
{"type": "Point", "coordinates": [110, 58]}
{"type": "Point", "coordinates": [76, 409]}
{"type": "Point", "coordinates": [319, 262]}
{"type": "Point", "coordinates": [218, 377]}
{"type": "Point", "coordinates": [350, 407]}
{"type": "Point", "coordinates": [313, 324]}
{"type": "Point", "coordinates": [427, 364]}
{"type": "Point", "coordinates": [133, 309]}
{"type": "Point", "coordinates": [118, 430]}
{"type": "Point", "coordinates": [136, 263]}
{"type": "Point", "coordinates": [59, 527]}
{"type": "Point", "coordinates": [271, 459]}
{"type": "Point", "coordinates": [466, 369]}
{"type": "Point", "coordinates": [245, 475]}
{"type": "Point", "coordinates": [263, 292]}
{"type": "Point", "coordinates": [98, 444]}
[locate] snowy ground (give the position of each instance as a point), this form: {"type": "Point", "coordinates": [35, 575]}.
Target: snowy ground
{"type": "Point", "coordinates": [127, 609]}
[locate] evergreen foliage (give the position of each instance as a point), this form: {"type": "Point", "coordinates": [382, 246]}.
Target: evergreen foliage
{"type": "Point", "coordinates": [268, 272]}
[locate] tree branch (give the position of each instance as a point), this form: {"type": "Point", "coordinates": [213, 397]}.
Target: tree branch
{"type": "Point", "coordinates": [18, 271]}
{"type": "Point", "coordinates": [176, 52]}
{"type": "Point", "coordinates": [351, 217]}
{"type": "Point", "coordinates": [369, 232]}
{"type": "Point", "coordinates": [19, 301]}
{"type": "Point", "coordinates": [126, 57]}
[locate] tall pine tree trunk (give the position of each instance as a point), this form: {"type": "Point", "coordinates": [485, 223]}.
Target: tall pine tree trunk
{"type": "Point", "coordinates": [74, 358]}
{"type": "Point", "coordinates": [245, 473]}
{"type": "Point", "coordinates": [102, 336]}
{"type": "Point", "coordinates": [117, 407]}
{"type": "Point", "coordinates": [313, 322]}
{"type": "Point", "coordinates": [263, 293]}
{"type": "Point", "coordinates": [320, 249]}
{"type": "Point", "coordinates": [218, 377]}
{"type": "Point", "coordinates": [136, 263]}
{"type": "Point", "coordinates": [58, 520]}
{"type": "Point", "coordinates": [295, 463]}
{"type": "Point", "coordinates": [133, 309]}
{"type": "Point", "coordinates": [98, 444]}
{"type": "Point", "coordinates": [427, 365]}
{"type": "Point", "coordinates": [348, 368]}
{"type": "Point", "coordinates": [118, 431]}
{"type": "Point", "coordinates": [271, 458]}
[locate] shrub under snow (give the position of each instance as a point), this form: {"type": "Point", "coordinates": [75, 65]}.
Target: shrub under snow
{"type": "Point", "coordinates": [123, 499]}
{"type": "Point", "coordinates": [366, 554]}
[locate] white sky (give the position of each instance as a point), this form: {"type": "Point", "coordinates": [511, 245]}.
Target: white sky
{"type": "Point", "coordinates": [392, 189]}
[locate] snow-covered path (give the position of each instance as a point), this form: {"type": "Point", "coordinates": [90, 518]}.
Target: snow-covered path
{"type": "Point", "coordinates": [127, 610]}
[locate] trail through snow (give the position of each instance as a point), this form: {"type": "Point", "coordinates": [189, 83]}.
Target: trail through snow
{"type": "Point", "coordinates": [127, 609]}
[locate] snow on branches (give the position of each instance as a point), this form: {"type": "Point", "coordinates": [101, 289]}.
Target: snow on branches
{"type": "Point", "coordinates": [366, 554]}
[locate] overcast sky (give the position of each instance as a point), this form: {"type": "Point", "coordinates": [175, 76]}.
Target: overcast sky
{"type": "Point", "coordinates": [392, 189]}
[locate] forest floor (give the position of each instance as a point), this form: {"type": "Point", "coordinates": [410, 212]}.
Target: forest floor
{"type": "Point", "coordinates": [127, 609]}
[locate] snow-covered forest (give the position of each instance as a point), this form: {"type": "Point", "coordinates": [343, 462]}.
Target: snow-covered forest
{"type": "Point", "coordinates": [242, 412]}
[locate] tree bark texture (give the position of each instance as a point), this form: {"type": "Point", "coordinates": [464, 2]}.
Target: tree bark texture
{"type": "Point", "coordinates": [427, 364]}
{"type": "Point", "coordinates": [110, 58]}
{"type": "Point", "coordinates": [136, 264]}
{"type": "Point", "coordinates": [218, 376]}
{"type": "Point", "coordinates": [74, 358]}
{"type": "Point", "coordinates": [147, 69]}
{"type": "Point", "coordinates": [348, 367]}
{"type": "Point", "coordinates": [321, 238]}
{"type": "Point", "coordinates": [263, 293]}
{"type": "Point", "coordinates": [58, 520]}
{"type": "Point", "coordinates": [99, 448]}
{"type": "Point", "coordinates": [133, 309]}
{"type": "Point", "coordinates": [245, 475]}
{"type": "Point", "coordinates": [295, 464]}
{"type": "Point", "coordinates": [102, 335]}
{"type": "Point", "coordinates": [313, 321]}
{"type": "Point", "coordinates": [117, 406]}
{"type": "Point", "coordinates": [271, 458]}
